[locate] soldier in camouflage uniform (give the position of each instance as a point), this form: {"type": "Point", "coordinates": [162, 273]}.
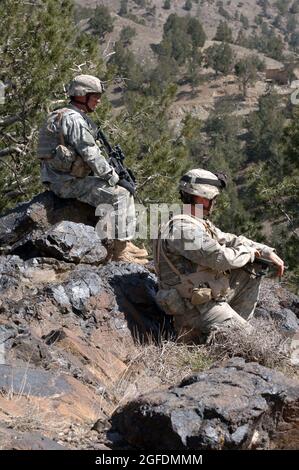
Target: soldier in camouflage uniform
{"type": "Point", "coordinates": [205, 279]}
{"type": "Point", "coordinates": [73, 166]}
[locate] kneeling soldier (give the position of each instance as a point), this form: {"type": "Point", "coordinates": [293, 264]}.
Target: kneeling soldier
{"type": "Point", "coordinates": [204, 280]}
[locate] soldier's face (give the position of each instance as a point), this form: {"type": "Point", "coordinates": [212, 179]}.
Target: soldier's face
{"type": "Point", "coordinates": [207, 204]}
{"type": "Point", "coordinates": [93, 100]}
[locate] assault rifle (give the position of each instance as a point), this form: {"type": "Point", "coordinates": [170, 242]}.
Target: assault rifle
{"type": "Point", "coordinates": [116, 159]}
{"type": "Point", "coordinates": [267, 267]}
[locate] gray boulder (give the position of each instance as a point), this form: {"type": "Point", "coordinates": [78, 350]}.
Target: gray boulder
{"type": "Point", "coordinates": [71, 242]}
{"type": "Point", "coordinates": [234, 406]}
{"type": "Point", "coordinates": [278, 304]}
{"type": "Point", "coordinates": [28, 219]}
{"type": "Point", "coordinates": [15, 440]}
{"type": "Point", "coordinates": [24, 380]}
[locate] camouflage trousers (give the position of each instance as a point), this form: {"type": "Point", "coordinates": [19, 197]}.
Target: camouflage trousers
{"type": "Point", "coordinates": [114, 204]}
{"type": "Point", "coordinates": [194, 323]}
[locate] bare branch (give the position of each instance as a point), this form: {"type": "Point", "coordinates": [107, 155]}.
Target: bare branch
{"type": "Point", "coordinates": [9, 120]}
{"type": "Point", "coordinates": [290, 221]}
{"type": "Point", "coordinates": [18, 183]}
{"type": "Point", "coordinates": [12, 150]}
{"type": "Point", "coordinates": [147, 180]}
{"type": "Point", "coordinates": [105, 52]}
{"type": "Point", "coordinates": [10, 137]}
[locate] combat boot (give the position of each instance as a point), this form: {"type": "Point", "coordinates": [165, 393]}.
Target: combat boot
{"type": "Point", "coordinates": [138, 252]}
{"type": "Point", "coordinates": [128, 252]}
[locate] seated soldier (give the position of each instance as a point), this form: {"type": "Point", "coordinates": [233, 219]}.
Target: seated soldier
{"type": "Point", "coordinates": [205, 279]}
{"type": "Point", "coordinates": [73, 166]}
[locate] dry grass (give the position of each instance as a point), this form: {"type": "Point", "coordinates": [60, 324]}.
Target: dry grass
{"type": "Point", "coordinates": [265, 344]}
{"type": "Point", "coordinates": [155, 366]}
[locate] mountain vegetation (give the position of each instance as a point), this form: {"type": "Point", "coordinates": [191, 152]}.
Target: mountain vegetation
{"type": "Point", "coordinates": [43, 47]}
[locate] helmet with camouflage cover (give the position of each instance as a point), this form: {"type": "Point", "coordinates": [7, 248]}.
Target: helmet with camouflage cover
{"type": "Point", "coordinates": [84, 84]}
{"type": "Point", "coordinates": [199, 182]}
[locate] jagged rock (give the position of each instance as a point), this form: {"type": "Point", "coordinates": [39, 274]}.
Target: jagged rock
{"type": "Point", "coordinates": [68, 326]}
{"type": "Point", "coordinates": [29, 349]}
{"type": "Point", "coordinates": [71, 242]}
{"type": "Point", "coordinates": [135, 288]}
{"type": "Point", "coordinates": [26, 380]}
{"type": "Point", "coordinates": [119, 294]}
{"type": "Point", "coordinates": [7, 334]}
{"type": "Point", "coordinates": [235, 406]}
{"type": "Point", "coordinates": [82, 284]}
{"type": "Point", "coordinates": [38, 215]}
{"type": "Point", "coordinates": [12, 440]}
{"type": "Point", "coordinates": [74, 321]}
{"type": "Point", "coordinates": [283, 307]}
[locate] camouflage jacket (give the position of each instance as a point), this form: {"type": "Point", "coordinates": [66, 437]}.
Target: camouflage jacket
{"type": "Point", "coordinates": [76, 131]}
{"type": "Point", "coordinates": [196, 245]}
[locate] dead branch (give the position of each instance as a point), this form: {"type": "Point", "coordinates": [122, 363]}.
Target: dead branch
{"type": "Point", "coordinates": [9, 120]}
{"type": "Point", "coordinates": [12, 150]}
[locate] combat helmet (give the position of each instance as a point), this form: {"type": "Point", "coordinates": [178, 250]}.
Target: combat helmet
{"type": "Point", "coordinates": [81, 85]}
{"type": "Point", "coordinates": [204, 183]}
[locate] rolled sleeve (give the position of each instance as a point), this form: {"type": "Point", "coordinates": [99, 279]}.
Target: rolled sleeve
{"type": "Point", "coordinates": [197, 245]}
{"type": "Point", "coordinates": [235, 241]}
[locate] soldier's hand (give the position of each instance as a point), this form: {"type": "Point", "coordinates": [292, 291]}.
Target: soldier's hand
{"type": "Point", "coordinates": [278, 262]}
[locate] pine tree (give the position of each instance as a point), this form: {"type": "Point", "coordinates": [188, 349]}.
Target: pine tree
{"type": "Point", "coordinates": [224, 152]}
{"type": "Point", "coordinates": [123, 11]}
{"type": "Point", "coordinates": [244, 20]}
{"type": "Point", "coordinates": [41, 48]}
{"type": "Point", "coordinates": [126, 35]}
{"type": "Point", "coordinates": [101, 22]}
{"type": "Point", "coordinates": [194, 64]}
{"type": "Point", "coordinates": [155, 154]}
{"type": "Point", "coordinates": [188, 5]}
{"type": "Point", "coordinates": [220, 58]}
{"type": "Point", "coordinates": [295, 8]}
{"type": "Point", "coordinates": [247, 71]}
{"type": "Point", "coordinates": [224, 32]}
{"type": "Point", "coordinates": [180, 36]}
{"type": "Point", "coordinates": [166, 5]}
{"type": "Point", "coordinates": [273, 184]}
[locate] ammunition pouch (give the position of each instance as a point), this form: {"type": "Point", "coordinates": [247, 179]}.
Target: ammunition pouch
{"type": "Point", "coordinates": [62, 159]}
{"type": "Point", "coordinates": [201, 296]}
{"type": "Point", "coordinates": [80, 169]}
{"type": "Point", "coordinates": [67, 161]}
{"type": "Point", "coordinates": [201, 287]}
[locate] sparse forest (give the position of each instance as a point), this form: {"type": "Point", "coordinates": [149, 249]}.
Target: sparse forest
{"type": "Point", "coordinates": [42, 47]}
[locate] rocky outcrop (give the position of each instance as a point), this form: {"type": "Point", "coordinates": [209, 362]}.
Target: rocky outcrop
{"type": "Point", "coordinates": [69, 325]}
{"type": "Point", "coordinates": [71, 242]}
{"type": "Point", "coordinates": [66, 331]}
{"type": "Point", "coordinates": [67, 321]}
{"type": "Point", "coordinates": [236, 406]}
{"type": "Point", "coordinates": [14, 440]}
{"type": "Point", "coordinates": [28, 220]}
{"type": "Point", "coordinates": [280, 305]}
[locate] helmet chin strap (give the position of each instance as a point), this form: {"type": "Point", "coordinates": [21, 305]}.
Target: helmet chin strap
{"type": "Point", "coordinates": [86, 106]}
{"type": "Point", "coordinates": [211, 205]}
{"type": "Point", "coordinates": [86, 103]}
